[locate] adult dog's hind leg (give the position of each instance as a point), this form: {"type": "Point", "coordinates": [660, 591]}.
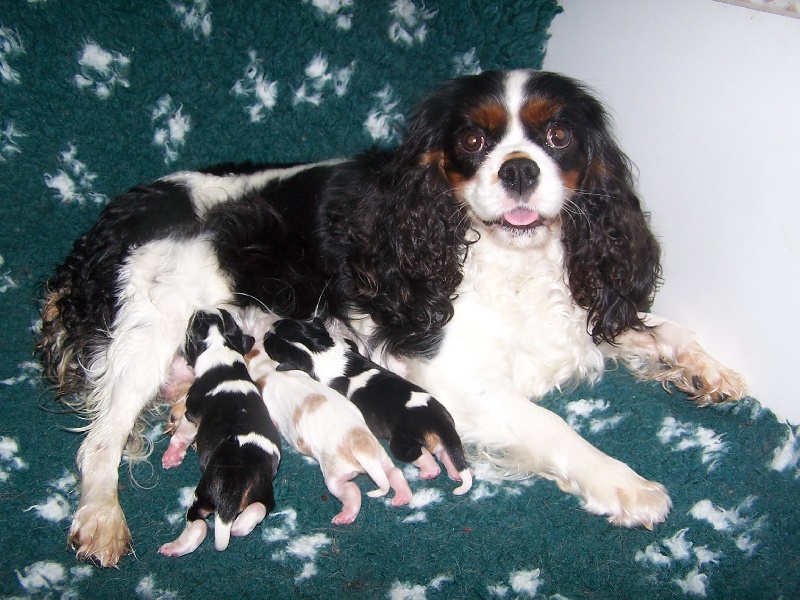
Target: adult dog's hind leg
{"type": "Point", "coordinates": [134, 371]}
{"type": "Point", "coordinates": [162, 285]}
{"type": "Point", "coordinates": [671, 354]}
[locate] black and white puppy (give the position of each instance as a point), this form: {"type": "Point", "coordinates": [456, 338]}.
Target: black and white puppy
{"type": "Point", "coordinates": [415, 423]}
{"type": "Point", "coordinates": [237, 443]}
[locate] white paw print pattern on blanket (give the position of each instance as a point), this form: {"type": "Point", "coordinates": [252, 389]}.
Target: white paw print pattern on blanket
{"type": "Point", "coordinates": [384, 122]}
{"type": "Point", "coordinates": [409, 22]}
{"type": "Point", "coordinates": [10, 47]}
{"type": "Point", "coordinates": [171, 127]}
{"type": "Point", "coordinates": [320, 81]}
{"type": "Point", "coordinates": [56, 507]}
{"type": "Point", "coordinates": [339, 10]}
{"type": "Point", "coordinates": [194, 16]}
{"type": "Point", "coordinates": [9, 459]}
{"type": "Point", "coordinates": [101, 70]}
{"type": "Point", "coordinates": [786, 457]}
{"type": "Point", "coordinates": [304, 548]}
{"type": "Point", "coordinates": [593, 415]}
{"type": "Point", "coordinates": [257, 88]}
{"type": "Point", "coordinates": [74, 182]}
{"type": "Point", "coordinates": [682, 437]}
{"type": "Point", "coordinates": [10, 139]}
{"type": "Point", "coordinates": [6, 282]}
{"type": "Point", "coordinates": [49, 579]}
{"type": "Point", "coordinates": [689, 566]}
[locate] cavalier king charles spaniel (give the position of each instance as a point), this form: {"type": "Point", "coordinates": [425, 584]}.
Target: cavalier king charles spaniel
{"type": "Point", "coordinates": [498, 253]}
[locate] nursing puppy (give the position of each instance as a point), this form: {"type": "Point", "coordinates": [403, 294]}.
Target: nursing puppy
{"type": "Point", "coordinates": [237, 444]}
{"type": "Point", "coordinates": [320, 423]}
{"type": "Point", "coordinates": [416, 425]}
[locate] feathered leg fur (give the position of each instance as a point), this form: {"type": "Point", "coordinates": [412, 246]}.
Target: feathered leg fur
{"type": "Point", "coordinates": [671, 354]}
{"type": "Point", "coordinates": [162, 285]}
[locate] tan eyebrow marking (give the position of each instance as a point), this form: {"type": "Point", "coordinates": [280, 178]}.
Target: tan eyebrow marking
{"type": "Point", "coordinates": [538, 112]}
{"type": "Point", "coordinates": [489, 117]}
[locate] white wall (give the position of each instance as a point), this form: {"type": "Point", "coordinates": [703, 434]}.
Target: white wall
{"type": "Point", "coordinates": [706, 101]}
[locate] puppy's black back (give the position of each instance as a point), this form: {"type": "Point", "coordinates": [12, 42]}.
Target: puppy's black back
{"type": "Point", "coordinates": [235, 477]}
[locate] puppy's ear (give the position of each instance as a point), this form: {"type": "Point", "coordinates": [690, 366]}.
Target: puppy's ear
{"type": "Point", "coordinates": [293, 365]}
{"type": "Point", "coordinates": [317, 338]}
{"type": "Point", "coordinates": [289, 356]}
{"type": "Point", "coordinates": [196, 334]}
{"type": "Point", "coordinates": [233, 334]}
{"type": "Point", "coordinates": [248, 341]}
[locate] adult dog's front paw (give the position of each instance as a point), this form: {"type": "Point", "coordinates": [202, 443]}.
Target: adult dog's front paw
{"type": "Point", "coordinates": [100, 534]}
{"type": "Point", "coordinates": [708, 381]}
{"type": "Point", "coordinates": [625, 498]}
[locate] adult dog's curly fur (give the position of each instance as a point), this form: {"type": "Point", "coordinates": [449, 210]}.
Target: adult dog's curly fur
{"type": "Point", "coordinates": [498, 253]}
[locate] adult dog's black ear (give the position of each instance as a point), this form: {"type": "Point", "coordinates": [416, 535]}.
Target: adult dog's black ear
{"type": "Point", "coordinates": [417, 231]}
{"type": "Point", "coordinates": [612, 257]}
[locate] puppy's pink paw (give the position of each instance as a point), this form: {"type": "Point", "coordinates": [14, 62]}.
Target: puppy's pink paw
{"type": "Point", "coordinates": [344, 518]}
{"type": "Point", "coordinates": [402, 491]}
{"type": "Point", "coordinates": [427, 465]}
{"type": "Point", "coordinates": [248, 519]}
{"type": "Point", "coordinates": [173, 456]}
{"type": "Point", "coordinates": [192, 536]}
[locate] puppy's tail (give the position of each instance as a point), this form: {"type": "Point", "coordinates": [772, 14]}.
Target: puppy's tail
{"type": "Point", "coordinates": [367, 452]}
{"type": "Point", "coordinates": [373, 467]}
{"type": "Point", "coordinates": [451, 453]}
{"type": "Point", "coordinates": [222, 533]}
{"type": "Point", "coordinates": [466, 482]}
{"type": "Point", "coordinates": [384, 472]}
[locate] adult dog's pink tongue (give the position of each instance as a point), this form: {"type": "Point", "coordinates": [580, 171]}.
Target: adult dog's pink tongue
{"type": "Point", "coordinates": [521, 217]}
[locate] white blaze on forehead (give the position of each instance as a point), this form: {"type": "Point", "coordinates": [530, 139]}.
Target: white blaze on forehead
{"type": "Point", "coordinates": [260, 441]}
{"type": "Point", "coordinates": [418, 399]}
{"type": "Point", "coordinates": [515, 97]}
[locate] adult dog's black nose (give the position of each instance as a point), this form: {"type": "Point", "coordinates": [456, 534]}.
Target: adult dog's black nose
{"type": "Point", "coordinates": [519, 174]}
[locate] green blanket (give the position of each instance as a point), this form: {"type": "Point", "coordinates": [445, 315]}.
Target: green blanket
{"type": "Point", "coordinates": [97, 96]}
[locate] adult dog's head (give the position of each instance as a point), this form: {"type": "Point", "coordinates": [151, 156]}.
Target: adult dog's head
{"type": "Point", "coordinates": [528, 155]}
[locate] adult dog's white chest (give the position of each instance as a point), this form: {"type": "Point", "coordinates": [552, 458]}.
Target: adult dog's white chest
{"type": "Point", "coordinates": [514, 321]}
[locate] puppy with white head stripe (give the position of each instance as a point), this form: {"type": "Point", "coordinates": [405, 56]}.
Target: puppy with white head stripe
{"type": "Point", "coordinates": [416, 425]}
{"type": "Point", "coordinates": [237, 443]}
{"type": "Point", "coordinates": [320, 423]}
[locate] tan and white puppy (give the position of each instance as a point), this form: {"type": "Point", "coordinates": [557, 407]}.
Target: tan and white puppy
{"type": "Point", "coordinates": [322, 424]}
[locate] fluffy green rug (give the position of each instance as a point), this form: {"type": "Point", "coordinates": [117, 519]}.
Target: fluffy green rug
{"type": "Point", "coordinates": [96, 97]}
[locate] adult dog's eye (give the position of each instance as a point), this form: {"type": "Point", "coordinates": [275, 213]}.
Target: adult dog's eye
{"type": "Point", "coordinates": [559, 137]}
{"type": "Point", "coordinates": [472, 141]}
